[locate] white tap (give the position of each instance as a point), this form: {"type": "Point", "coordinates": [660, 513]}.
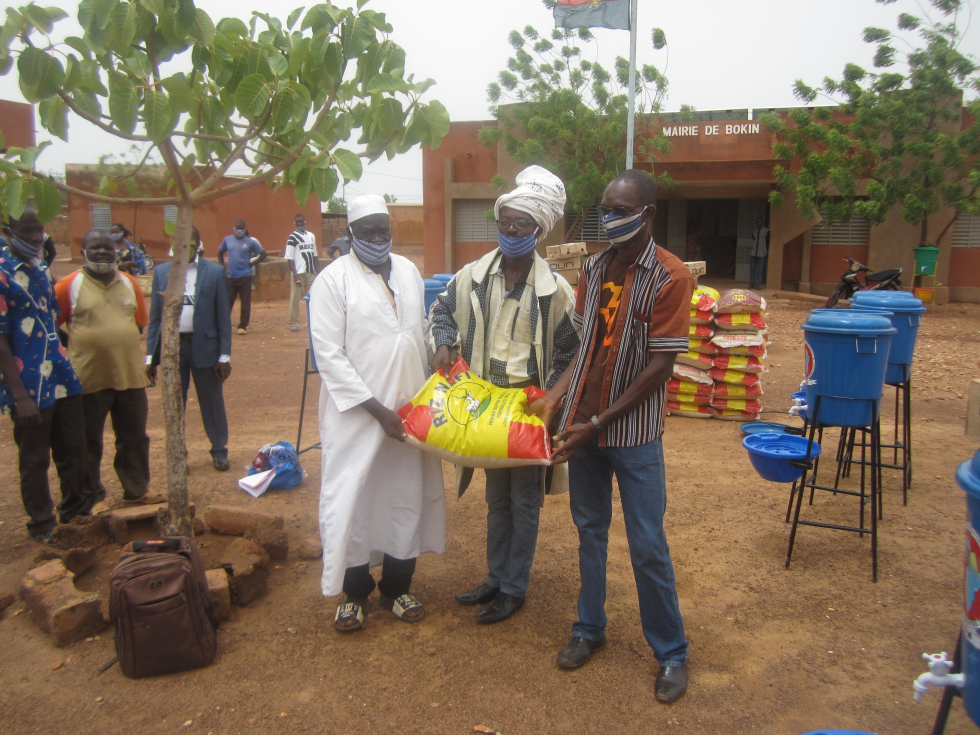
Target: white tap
{"type": "Point", "coordinates": [937, 676]}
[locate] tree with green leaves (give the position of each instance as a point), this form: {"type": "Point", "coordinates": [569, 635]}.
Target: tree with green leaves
{"type": "Point", "coordinates": [298, 103]}
{"type": "Point", "coordinates": [896, 138]}
{"type": "Point", "coordinates": [557, 107]}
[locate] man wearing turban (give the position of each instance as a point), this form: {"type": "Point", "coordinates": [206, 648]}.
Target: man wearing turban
{"type": "Point", "coordinates": [382, 501]}
{"type": "Point", "coordinates": [510, 317]}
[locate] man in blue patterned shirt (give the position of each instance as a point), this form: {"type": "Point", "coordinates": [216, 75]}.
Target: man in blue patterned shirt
{"type": "Point", "coordinates": [37, 383]}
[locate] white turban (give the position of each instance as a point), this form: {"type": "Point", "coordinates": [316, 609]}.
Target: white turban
{"type": "Point", "coordinates": [364, 206]}
{"type": "Point", "coordinates": [540, 194]}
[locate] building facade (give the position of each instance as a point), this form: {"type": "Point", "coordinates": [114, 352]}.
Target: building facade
{"type": "Point", "coordinates": [722, 164]}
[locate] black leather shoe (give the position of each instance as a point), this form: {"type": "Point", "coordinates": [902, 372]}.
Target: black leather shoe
{"type": "Point", "coordinates": [578, 651]}
{"type": "Point", "coordinates": [499, 608]}
{"type": "Point", "coordinates": [480, 596]}
{"type": "Point", "coordinates": [221, 464]}
{"type": "Point", "coordinates": [671, 683]}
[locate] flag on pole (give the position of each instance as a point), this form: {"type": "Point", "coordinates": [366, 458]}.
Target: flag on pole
{"type": "Point", "coordinates": [593, 14]}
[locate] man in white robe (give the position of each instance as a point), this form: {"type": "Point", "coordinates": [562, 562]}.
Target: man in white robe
{"type": "Point", "coordinates": [382, 501]}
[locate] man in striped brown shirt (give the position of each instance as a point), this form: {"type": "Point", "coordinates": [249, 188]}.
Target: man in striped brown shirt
{"type": "Point", "coordinates": [633, 306]}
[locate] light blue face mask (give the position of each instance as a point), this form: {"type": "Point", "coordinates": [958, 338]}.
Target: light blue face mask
{"type": "Point", "coordinates": [371, 253]}
{"type": "Point", "coordinates": [516, 247]}
{"type": "Point", "coordinates": [115, 236]}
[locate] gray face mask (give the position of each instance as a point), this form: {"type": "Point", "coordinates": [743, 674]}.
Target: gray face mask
{"type": "Point", "coordinates": [98, 267]}
{"type": "Point", "coordinates": [239, 234]}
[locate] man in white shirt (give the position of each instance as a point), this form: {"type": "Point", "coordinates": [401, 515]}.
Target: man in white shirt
{"type": "Point", "coordinates": [760, 249]}
{"type": "Point", "coordinates": [205, 342]}
{"type": "Point", "coordinates": [304, 264]}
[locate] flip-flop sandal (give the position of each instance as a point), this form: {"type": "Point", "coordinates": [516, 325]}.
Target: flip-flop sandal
{"type": "Point", "coordinates": [352, 610]}
{"type": "Point", "coordinates": [402, 606]}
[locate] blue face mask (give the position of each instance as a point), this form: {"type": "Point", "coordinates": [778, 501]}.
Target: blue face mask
{"type": "Point", "coordinates": [116, 236]}
{"type": "Point", "coordinates": [516, 247]}
{"type": "Point", "coordinates": [621, 229]}
{"type": "Point", "coordinates": [371, 253]}
{"type": "Point", "coordinates": [23, 249]}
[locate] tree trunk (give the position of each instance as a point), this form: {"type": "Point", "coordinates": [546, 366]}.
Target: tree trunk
{"type": "Point", "coordinates": [173, 406]}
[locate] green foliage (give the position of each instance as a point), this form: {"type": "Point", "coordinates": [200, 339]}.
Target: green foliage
{"type": "Point", "coordinates": [899, 133]}
{"type": "Point", "coordinates": [300, 102]}
{"type": "Point", "coordinates": [556, 108]}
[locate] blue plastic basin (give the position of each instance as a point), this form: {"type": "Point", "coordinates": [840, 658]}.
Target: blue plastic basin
{"type": "Point", "coordinates": [906, 313]}
{"type": "Point", "coordinates": [771, 454]}
{"type": "Point", "coordinates": [763, 427]}
{"type": "Point", "coordinates": [444, 277]}
{"type": "Point", "coordinates": [846, 356]}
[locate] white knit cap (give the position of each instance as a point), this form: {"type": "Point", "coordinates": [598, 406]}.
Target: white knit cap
{"type": "Point", "coordinates": [540, 194]}
{"type": "Point", "coordinates": [365, 205]}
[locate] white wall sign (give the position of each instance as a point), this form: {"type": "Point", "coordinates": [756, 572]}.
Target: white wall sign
{"type": "Point", "coordinates": [736, 128]}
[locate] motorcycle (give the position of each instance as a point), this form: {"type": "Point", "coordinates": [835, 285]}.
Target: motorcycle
{"type": "Point", "coordinates": [860, 278]}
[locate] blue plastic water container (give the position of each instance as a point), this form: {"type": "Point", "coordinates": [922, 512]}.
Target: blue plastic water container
{"type": "Point", "coordinates": [432, 289]}
{"type": "Point", "coordinates": [968, 478]}
{"type": "Point", "coordinates": [846, 356]}
{"type": "Point", "coordinates": [763, 427]}
{"type": "Point", "coordinates": [444, 277]}
{"type": "Point", "coordinates": [771, 454]}
{"type": "Point", "coordinates": [906, 314]}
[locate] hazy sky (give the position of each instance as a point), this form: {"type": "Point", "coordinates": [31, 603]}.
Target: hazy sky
{"type": "Point", "coordinates": [723, 54]}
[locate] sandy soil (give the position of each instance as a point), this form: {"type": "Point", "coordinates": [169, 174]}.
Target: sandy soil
{"type": "Point", "coordinates": [773, 650]}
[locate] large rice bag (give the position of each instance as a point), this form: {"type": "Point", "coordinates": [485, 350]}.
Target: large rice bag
{"type": "Point", "coordinates": [741, 322]}
{"type": "Point", "coordinates": [704, 298]}
{"type": "Point", "coordinates": [701, 317]}
{"type": "Point", "coordinates": [685, 386]}
{"type": "Point", "coordinates": [692, 411]}
{"type": "Point", "coordinates": [472, 422]}
{"type": "Point", "coordinates": [740, 301]}
{"type": "Point", "coordinates": [700, 331]}
{"type": "Point", "coordinates": [703, 346]}
{"type": "Point", "coordinates": [731, 340]}
{"type": "Point", "coordinates": [726, 415]}
{"type": "Point", "coordinates": [737, 362]}
{"type": "Point", "coordinates": [743, 350]}
{"type": "Point", "coordinates": [737, 404]}
{"type": "Point", "coordinates": [735, 377]}
{"type": "Point", "coordinates": [697, 400]}
{"type": "Point", "coordinates": [695, 360]}
{"type": "Point", "coordinates": [729, 390]}
{"type": "Point", "coordinates": [691, 374]}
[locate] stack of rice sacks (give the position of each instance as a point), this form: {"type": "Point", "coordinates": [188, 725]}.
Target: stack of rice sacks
{"type": "Point", "coordinates": [720, 375]}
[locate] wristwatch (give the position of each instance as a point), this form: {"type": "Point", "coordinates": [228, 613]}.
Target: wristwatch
{"type": "Point", "coordinates": [595, 422]}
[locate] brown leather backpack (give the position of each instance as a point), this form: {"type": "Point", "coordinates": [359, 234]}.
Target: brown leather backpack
{"type": "Point", "coordinates": [161, 609]}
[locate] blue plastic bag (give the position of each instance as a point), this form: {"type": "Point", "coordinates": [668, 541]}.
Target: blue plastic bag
{"type": "Point", "coordinates": [282, 458]}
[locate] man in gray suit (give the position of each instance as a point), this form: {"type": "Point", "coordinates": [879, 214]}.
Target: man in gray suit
{"type": "Point", "coordinates": [205, 342]}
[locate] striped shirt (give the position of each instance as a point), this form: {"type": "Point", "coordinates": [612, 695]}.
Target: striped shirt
{"type": "Point", "coordinates": [657, 294]}
{"type": "Point", "coordinates": [301, 249]}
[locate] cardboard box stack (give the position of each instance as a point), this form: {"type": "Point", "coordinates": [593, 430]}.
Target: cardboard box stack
{"type": "Point", "coordinates": [720, 375]}
{"type": "Point", "coordinates": [566, 260]}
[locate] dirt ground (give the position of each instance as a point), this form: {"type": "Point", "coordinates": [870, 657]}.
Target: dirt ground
{"type": "Point", "coordinates": [772, 650]}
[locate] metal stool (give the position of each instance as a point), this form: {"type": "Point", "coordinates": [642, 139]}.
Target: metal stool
{"type": "Point", "coordinates": [874, 496]}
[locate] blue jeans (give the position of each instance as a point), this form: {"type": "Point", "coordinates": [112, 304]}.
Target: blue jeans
{"type": "Point", "coordinates": [642, 489]}
{"type": "Point", "coordinates": [513, 510]}
{"type": "Point", "coordinates": [757, 272]}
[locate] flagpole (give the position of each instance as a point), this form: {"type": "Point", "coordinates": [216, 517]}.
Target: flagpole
{"type": "Point", "coordinates": [632, 90]}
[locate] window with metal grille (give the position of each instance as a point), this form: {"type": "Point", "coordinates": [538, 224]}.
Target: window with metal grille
{"type": "Point", "coordinates": [170, 213]}
{"type": "Point", "coordinates": [472, 224]}
{"type": "Point", "coordinates": [101, 215]}
{"type": "Point", "coordinates": [592, 230]}
{"type": "Point", "coordinates": [966, 231]}
{"type": "Point", "coordinates": [855, 232]}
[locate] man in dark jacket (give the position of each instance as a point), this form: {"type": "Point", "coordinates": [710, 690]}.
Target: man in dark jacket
{"type": "Point", "coordinates": [205, 342]}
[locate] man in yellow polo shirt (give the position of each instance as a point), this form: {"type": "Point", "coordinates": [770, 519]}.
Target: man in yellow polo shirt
{"type": "Point", "coordinates": [103, 310]}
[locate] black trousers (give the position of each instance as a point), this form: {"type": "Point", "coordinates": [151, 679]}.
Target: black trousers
{"type": "Point", "coordinates": [60, 435]}
{"type": "Point", "coordinates": [210, 397]}
{"type": "Point", "coordinates": [396, 579]}
{"type": "Point", "coordinates": [128, 409]}
{"type": "Point", "coordinates": [241, 287]}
